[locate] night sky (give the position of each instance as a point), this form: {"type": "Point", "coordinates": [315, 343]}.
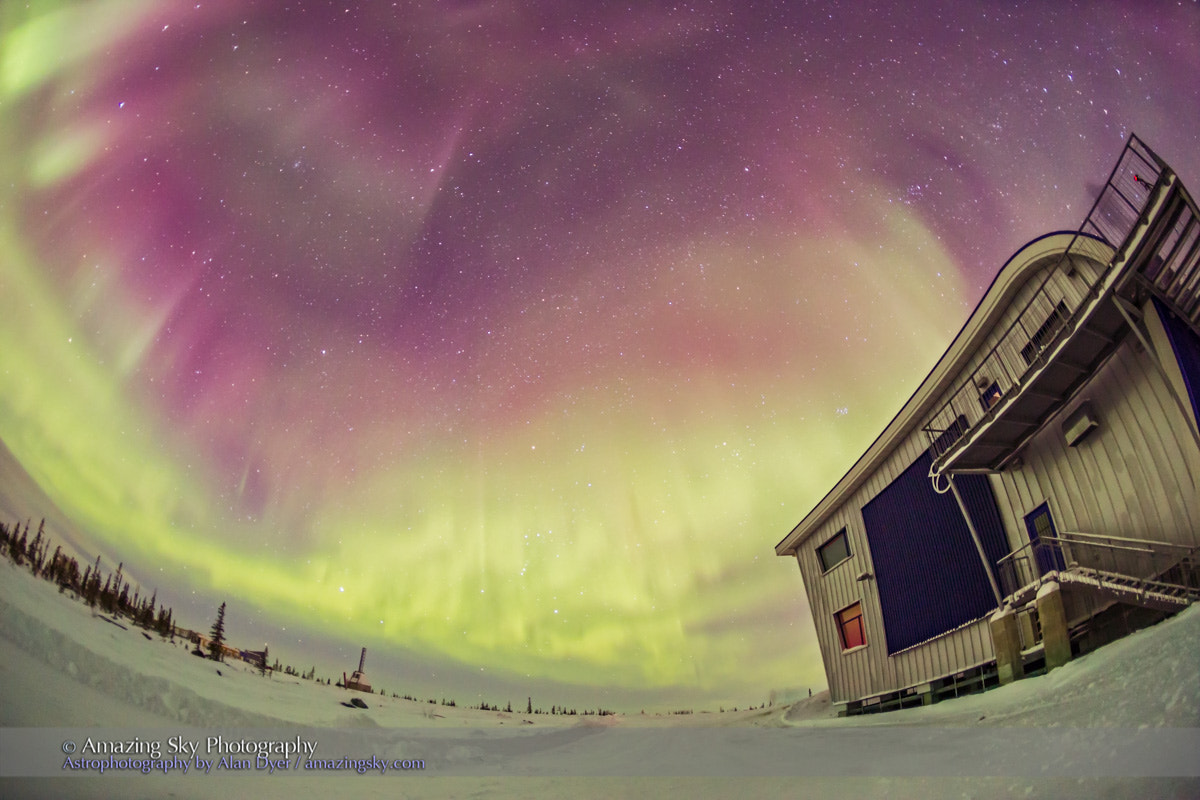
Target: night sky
{"type": "Point", "coordinates": [507, 339]}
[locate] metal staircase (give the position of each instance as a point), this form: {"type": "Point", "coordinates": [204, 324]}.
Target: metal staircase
{"type": "Point", "coordinates": [1150, 574]}
{"type": "Point", "coordinates": [1142, 592]}
{"type": "Point", "coordinates": [1170, 270]}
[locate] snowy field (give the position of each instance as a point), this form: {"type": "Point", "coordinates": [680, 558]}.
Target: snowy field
{"type": "Point", "coordinates": [1121, 722]}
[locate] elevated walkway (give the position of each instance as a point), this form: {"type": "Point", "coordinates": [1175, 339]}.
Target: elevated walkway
{"type": "Point", "coordinates": [1144, 231]}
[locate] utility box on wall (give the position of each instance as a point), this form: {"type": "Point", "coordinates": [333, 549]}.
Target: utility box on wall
{"type": "Point", "coordinates": [1081, 422]}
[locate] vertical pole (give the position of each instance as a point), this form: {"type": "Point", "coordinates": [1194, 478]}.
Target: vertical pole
{"type": "Point", "coordinates": [987, 567]}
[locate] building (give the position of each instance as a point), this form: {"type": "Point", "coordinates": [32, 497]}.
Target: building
{"type": "Point", "coordinates": [202, 643]}
{"type": "Point", "coordinates": [1037, 495]}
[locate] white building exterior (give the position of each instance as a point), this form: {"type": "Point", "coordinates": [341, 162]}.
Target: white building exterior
{"type": "Point", "coordinates": [1056, 443]}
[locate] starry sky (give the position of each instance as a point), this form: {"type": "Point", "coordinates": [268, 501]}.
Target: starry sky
{"type": "Point", "coordinates": [507, 339]}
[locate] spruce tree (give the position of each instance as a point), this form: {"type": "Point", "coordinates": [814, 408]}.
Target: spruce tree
{"type": "Point", "coordinates": [106, 595]}
{"type": "Point", "coordinates": [93, 585]}
{"type": "Point", "coordinates": [217, 635]}
{"type": "Point", "coordinates": [54, 568]}
{"type": "Point", "coordinates": [36, 556]}
{"type": "Point", "coordinates": [160, 624]}
{"type": "Point", "coordinates": [147, 612]}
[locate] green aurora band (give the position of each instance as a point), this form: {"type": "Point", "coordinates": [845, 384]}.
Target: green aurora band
{"type": "Point", "coordinates": [583, 487]}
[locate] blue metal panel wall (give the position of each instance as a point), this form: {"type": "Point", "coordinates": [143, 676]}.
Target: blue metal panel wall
{"type": "Point", "coordinates": [1186, 345]}
{"type": "Point", "coordinates": [927, 570]}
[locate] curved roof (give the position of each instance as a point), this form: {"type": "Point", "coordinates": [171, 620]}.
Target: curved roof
{"type": "Point", "coordinates": [1012, 276]}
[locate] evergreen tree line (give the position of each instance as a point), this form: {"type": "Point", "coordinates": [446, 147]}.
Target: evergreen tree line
{"type": "Point", "coordinates": [508, 709]}
{"type": "Point", "coordinates": [111, 596]}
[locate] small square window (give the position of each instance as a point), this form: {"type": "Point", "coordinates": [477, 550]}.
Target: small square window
{"type": "Point", "coordinates": [1045, 334]}
{"type": "Point", "coordinates": [835, 551]}
{"type": "Point", "coordinates": [990, 396]}
{"type": "Point", "coordinates": [850, 626]}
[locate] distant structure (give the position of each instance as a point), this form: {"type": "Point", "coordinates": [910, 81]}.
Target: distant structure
{"type": "Point", "coordinates": [358, 679]}
{"type": "Point", "coordinates": [1037, 496]}
{"type": "Point", "coordinates": [257, 658]}
{"type": "Point", "coordinates": [202, 642]}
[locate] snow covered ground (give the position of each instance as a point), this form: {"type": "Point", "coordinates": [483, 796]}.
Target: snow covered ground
{"type": "Point", "coordinates": [1121, 722]}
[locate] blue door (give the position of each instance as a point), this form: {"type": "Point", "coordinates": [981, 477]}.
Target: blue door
{"type": "Point", "coordinates": [1043, 537]}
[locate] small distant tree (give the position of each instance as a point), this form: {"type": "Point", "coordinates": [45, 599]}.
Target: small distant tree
{"type": "Point", "coordinates": [146, 615]}
{"type": "Point", "coordinates": [53, 570]}
{"type": "Point", "coordinates": [529, 705]}
{"type": "Point", "coordinates": [118, 598]}
{"type": "Point", "coordinates": [165, 625]}
{"type": "Point", "coordinates": [217, 635]}
{"type": "Point", "coordinates": [106, 595]}
{"type": "Point", "coordinates": [35, 552]}
{"type": "Point", "coordinates": [16, 548]}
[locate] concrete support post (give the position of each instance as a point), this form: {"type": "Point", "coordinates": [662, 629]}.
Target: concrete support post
{"type": "Point", "coordinates": [1025, 624]}
{"type": "Point", "coordinates": [1052, 614]}
{"type": "Point", "coordinates": [1006, 642]}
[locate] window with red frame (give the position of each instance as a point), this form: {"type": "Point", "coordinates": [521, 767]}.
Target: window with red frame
{"type": "Point", "coordinates": [850, 626]}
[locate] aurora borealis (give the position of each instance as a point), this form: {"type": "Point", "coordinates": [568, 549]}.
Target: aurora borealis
{"type": "Point", "coordinates": [512, 336]}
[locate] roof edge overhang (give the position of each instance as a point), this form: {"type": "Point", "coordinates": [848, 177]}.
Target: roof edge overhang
{"type": "Point", "coordinates": [1008, 281]}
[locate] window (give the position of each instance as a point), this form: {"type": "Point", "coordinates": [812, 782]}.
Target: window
{"type": "Point", "coordinates": [1045, 334]}
{"type": "Point", "coordinates": [850, 626]}
{"type": "Point", "coordinates": [990, 396]}
{"type": "Point", "coordinates": [834, 552]}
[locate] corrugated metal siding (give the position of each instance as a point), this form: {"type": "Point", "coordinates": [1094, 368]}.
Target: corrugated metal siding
{"type": "Point", "coordinates": [834, 590]}
{"type": "Point", "coordinates": [871, 670]}
{"type": "Point", "coordinates": [1133, 476]}
{"type": "Point", "coordinates": [928, 573]}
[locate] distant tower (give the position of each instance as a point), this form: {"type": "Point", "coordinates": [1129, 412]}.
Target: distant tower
{"type": "Point", "coordinates": [358, 680]}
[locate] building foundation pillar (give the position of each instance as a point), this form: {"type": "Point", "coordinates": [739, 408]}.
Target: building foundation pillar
{"type": "Point", "coordinates": [1052, 614]}
{"type": "Point", "coordinates": [1006, 642]}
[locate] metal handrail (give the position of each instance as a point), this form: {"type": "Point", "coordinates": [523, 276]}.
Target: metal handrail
{"type": "Point", "coordinates": [1102, 238]}
{"type": "Point", "coordinates": [1070, 550]}
{"type": "Point", "coordinates": [1070, 535]}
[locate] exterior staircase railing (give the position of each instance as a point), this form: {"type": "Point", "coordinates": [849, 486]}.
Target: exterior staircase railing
{"type": "Point", "coordinates": [1152, 574]}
